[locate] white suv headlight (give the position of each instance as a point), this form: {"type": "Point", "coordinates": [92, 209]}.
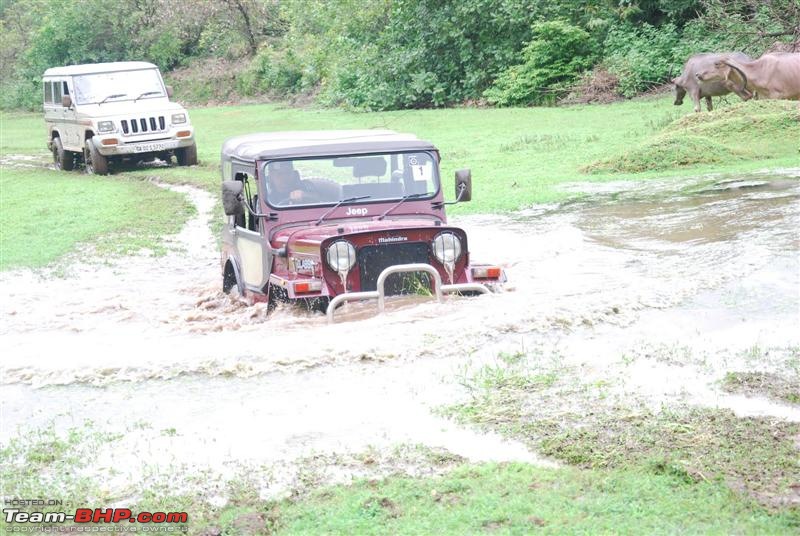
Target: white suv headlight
{"type": "Point", "coordinates": [178, 119]}
{"type": "Point", "coordinates": [446, 248]}
{"type": "Point", "coordinates": [105, 126]}
{"type": "Point", "coordinates": [341, 256]}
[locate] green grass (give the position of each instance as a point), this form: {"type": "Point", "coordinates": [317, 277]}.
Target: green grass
{"type": "Point", "coordinates": [548, 407]}
{"type": "Point", "coordinates": [745, 131]}
{"type": "Point", "coordinates": [521, 499]}
{"type": "Point", "coordinates": [506, 498]}
{"type": "Point", "coordinates": [518, 156]}
{"type": "Point", "coordinates": [45, 214]}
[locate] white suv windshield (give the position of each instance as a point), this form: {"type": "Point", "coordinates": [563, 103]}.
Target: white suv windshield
{"type": "Point", "coordinates": [377, 177]}
{"type": "Point", "coordinates": [123, 85]}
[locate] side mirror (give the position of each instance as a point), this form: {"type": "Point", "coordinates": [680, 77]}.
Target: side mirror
{"type": "Point", "coordinates": [232, 198]}
{"type": "Point", "coordinates": [169, 92]}
{"type": "Point", "coordinates": [66, 101]}
{"type": "Point", "coordinates": [463, 185]}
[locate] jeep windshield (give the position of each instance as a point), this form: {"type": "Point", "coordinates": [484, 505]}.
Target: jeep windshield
{"type": "Point", "coordinates": [116, 86]}
{"type": "Point", "coordinates": [358, 179]}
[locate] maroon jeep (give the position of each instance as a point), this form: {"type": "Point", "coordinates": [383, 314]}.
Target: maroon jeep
{"type": "Point", "coordinates": [334, 216]}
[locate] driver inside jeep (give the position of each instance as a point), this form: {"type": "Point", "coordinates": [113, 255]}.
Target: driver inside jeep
{"type": "Point", "coordinates": [287, 188]}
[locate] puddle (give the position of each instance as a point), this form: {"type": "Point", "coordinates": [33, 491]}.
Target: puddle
{"type": "Point", "coordinates": [25, 161]}
{"type": "Point", "coordinates": [712, 264]}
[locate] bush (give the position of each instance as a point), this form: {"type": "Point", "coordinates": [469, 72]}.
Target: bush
{"type": "Point", "coordinates": [281, 71]}
{"type": "Point", "coordinates": [645, 56]}
{"type": "Point", "coordinates": [552, 60]}
{"type": "Point", "coordinates": [422, 53]}
{"type": "Point", "coordinates": [379, 78]}
{"type": "Point", "coordinates": [642, 57]}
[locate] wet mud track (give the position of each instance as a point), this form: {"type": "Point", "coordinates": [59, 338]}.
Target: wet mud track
{"type": "Point", "coordinates": [656, 288]}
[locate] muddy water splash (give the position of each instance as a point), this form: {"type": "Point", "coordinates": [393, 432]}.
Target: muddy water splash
{"type": "Point", "coordinates": [598, 262]}
{"type": "Point", "coordinates": [633, 264]}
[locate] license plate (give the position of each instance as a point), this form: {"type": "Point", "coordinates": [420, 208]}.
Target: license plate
{"type": "Point", "coordinates": [150, 147]}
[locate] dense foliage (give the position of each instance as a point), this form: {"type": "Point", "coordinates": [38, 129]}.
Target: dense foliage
{"type": "Point", "coordinates": [385, 54]}
{"type": "Point", "coordinates": [555, 55]}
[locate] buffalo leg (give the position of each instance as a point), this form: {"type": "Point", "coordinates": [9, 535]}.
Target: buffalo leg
{"type": "Point", "coordinates": [708, 104]}
{"type": "Point", "coordinates": [696, 99]}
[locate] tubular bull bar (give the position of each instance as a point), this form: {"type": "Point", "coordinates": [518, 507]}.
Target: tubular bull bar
{"type": "Point", "coordinates": [380, 294]}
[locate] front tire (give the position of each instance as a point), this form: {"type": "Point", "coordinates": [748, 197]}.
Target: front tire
{"type": "Point", "coordinates": [63, 160]}
{"type": "Point", "coordinates": [96, 164]}
{"type": "Point", "coordinates": [187, 156]}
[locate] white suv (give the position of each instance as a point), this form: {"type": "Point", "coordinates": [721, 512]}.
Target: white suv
{"type": "Point", "coordinates": [105, 112]}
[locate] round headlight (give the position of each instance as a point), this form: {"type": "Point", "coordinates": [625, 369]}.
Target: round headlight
{"type": "Point", "coordinates": [446, 248]}
{"type": "Point", "coordinates": [341, 256]}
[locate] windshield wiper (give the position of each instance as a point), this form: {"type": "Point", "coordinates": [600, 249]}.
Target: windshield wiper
{"type": "Point", "coordinates": [339, 203]}
{"type": "Point", "coordinates": [147, 93]}
{"type": "Point", "coordinates": [402, 200]}
{"type": "Point", "coordinates": [114, 96]}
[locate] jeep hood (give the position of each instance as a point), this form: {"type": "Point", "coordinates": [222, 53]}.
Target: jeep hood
{"type": "Point", "coordinates": [127, 108]}
{"type": "Point", "coordinates": [305, 237]}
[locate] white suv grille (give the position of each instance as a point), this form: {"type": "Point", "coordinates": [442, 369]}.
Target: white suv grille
{"type": "Point", "coordinates": [143, 125]}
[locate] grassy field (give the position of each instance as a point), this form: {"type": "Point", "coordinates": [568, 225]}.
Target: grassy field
{"type": "Point", "coordinates": [521, 499]}
{"type": "Point", "coordinates": [518, 156]}
{"type": "Point", "coordinates": [460, 498]}
{"type": "Point", "coordinates": [45, 214]}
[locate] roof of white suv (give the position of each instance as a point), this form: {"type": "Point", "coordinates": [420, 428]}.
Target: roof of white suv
{"type": "Point", "coordinates": [93, 68]}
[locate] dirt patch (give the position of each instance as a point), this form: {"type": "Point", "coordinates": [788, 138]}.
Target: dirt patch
{"type": "Point", "coordinates": [250, 523]}
{"type": "Point", "coordinates": [537, 521]}
{"type": "Point", "coordinates": [775, 386]}
{"type": "Point", "coordinates": [380, 507]}
{"type": "Point", "coordinates": [598, 86]}
{"type": "Point", "coordinates": [495, 524]}
{"type": "Point", "coordinates": [26, 161]}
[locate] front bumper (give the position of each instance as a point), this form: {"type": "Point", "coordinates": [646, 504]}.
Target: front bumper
{"type": "Point", "coordinates": [127, 148]}
{"type": "Point", "coordinates": [379, 294]}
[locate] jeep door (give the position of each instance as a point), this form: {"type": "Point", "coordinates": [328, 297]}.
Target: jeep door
{"type": "Point", "coordinates": [249, 243]}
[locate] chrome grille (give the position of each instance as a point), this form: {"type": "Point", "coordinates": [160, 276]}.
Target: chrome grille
{"type": "Point", "coordinates": [143, 125]}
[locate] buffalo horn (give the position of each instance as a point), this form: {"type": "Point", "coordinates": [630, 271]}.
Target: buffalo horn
{"type": "Point", "coordinates": [744, 76]}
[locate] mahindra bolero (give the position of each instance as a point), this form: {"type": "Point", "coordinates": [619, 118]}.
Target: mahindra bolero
{"type": "Point", "coordinates": [101, 113]}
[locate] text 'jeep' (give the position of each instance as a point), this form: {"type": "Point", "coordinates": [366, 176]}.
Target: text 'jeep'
{"type": "Point", "coordinates": [334, 216]}
{"type": "Point", "coordinates": [105, 112]}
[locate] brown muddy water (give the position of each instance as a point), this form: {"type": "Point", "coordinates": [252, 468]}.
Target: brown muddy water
{"type": "Point", "coordinates": [655, 289]}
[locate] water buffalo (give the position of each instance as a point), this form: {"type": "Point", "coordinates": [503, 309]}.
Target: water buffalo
{"type": "Point", "coordinates": [772, 76]}
{"type": "Point", "coordinates": [697, 89]}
